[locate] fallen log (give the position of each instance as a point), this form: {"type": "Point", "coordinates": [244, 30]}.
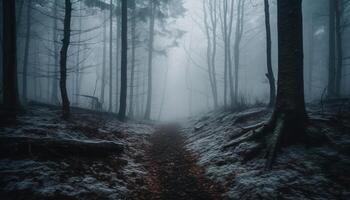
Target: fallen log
{"type": "Point", "coordinates": [55, 147]}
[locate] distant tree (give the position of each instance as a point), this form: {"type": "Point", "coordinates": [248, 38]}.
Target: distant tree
{"type": "Point", "coordinates": [26, 50]}
{"type": "Point", "coordinates": [110, 55]}
{"type": "Point", "coordinates": [124, 61]}
{"type": "Point", "coordinates": [133, 64]}
{"type": "Point", "coordinates": [238, 38]}
{"type": "Point", "coordinates": [152, 7]}
{"type": "Point", "coordinates": [54, 94]}
{"type": "Point", "coordinates": [63, 59]}
{"type": "Point", "coordinates": [270, 76]}
{"type": "Point", "coordinates": [10, 89]}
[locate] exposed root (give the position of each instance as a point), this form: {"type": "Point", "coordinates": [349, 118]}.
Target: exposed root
{"type": "Point", "coordinates": [251, 135]}
{"type": "Point", "coordinates": [275, 144]}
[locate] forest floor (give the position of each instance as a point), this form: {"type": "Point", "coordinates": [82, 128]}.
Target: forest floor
{"type": "Point", "coordinates": [95, 156]}
{"type": "Point", "coordinates": [173, 171]}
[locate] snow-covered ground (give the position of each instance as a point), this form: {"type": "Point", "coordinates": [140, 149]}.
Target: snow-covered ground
{"type": "Point", "coordinates": [73, 177]}
{"type": "Point", "coordinates": [319, 172]}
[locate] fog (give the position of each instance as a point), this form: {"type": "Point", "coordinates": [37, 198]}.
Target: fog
{"type": "Point", "coordinates": [181, 82]}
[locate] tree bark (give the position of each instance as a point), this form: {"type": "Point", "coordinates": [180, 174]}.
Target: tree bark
{"type": "Point", "coordinates": [10, 88]}
{"type": "Point", "coordinates": [63, 59]}
{"type": "Point", "coordinates": [150, 60]}
{"type": "Point", "coordinates": [289, 116]}
{"type": "Point", "coordinates": [270, 76]}
{"type": "Point", "coordinates": [124, 61]}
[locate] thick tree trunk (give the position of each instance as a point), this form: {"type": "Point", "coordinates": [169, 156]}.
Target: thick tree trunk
{"type": "Point", "coordinates": [110, 56]}
{"type": "Point", "coordinates": [63, 59]}
{"type": "Point", "coordinates": [10, 90]}
{"type": "Point", "coordinates": [150, 60]}
{"type": "Point", "coordinates": [124, 61]}
{"type": "Point", "coordinates": [133, 41]}
{"type": "Point", "coordinates": [270, 76]}
{"type": "Point", "coordinates": [289, 116]}
{"type": "Point", "coordinates": [331, 62]}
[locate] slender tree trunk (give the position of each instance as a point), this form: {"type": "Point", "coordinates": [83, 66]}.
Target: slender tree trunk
{"type": "Point", "coordinates": [10, 89]}
{"type": "Point", "coordinates": [270, 76]}
{"type": "Point", "coordinates": [54, 97]}
{"type": "Point", "coordinates": [26, 50]}
{"type": "Point", "coordinates": [339, 44]}
{"type": "Point", "coordinates": [150, 60]}
{"type": "Point", "coordinates": [110, 56]}
{"type": "Point", "coordinates": [124, 61]}
{"type": "Point", "coordinates": [63, 59]}
{"type": "Point", "coordinates": [238, 37]}
{"type": "Point", "coordinates": [77, 72]}
{"type": "Point", "coordinates": [133, 40]}
{"type": "Point", "coordinates": [311, 57]}
{"type": "Point", "coordinates": [209, 51]}
{"type": "Point", "coordinates": [213, 17]}
{"type": "Point", "coordinates": [103, 79]}
{"type": "Point", "coordinates": [331, 64]}
{"type": "Point", "coordinates": [118, 39]}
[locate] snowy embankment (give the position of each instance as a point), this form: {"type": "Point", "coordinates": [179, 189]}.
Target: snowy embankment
{"type": "Point", "coordinates": [55, 159]}
{"type": "Point", "coordinates": [318, 172]}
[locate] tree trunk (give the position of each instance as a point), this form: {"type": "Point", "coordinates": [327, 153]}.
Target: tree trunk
{"type": "Point", "coordinates": [133, 40]}
{"type": "Point", "coordinates": [110, 56]}
{"type": "Point", "coordinates": [118, 39]}
{"type": "Point", "coordinates": [103, 79]}
{"type": "Point", "coordinates": [63, 59]}
{"type": "Point", "coordinates": [150, 60]}
{"type": "Point", "coordinates": [238, 37]}
{"type": "Point", "coordinates": [339, 44]}
{"type": "Point", "coordinates": [77, 72]}
{"type": "Point", "coordinates": [10, 90]}
{"type": "Point", "coordinates": [54, 97]}
{"type": "Point", "coordinates": [311, 57]}
{"type": "Point", "coordinates": [270, 76]}
{"type": "Point", "coordinates": [331, 62]}
{"type": "Point", "coordinates": [289, 116]}
{"type": "Point", "coordinates": [124, 61]}
{"type": "Point", "coordinates": [26, 50]}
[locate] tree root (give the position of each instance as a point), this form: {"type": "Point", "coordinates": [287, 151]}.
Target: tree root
{"type": "Point", "coordinates": [274, 145]}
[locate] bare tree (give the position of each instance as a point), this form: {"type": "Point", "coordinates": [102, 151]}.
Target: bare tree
{"type": "Point", "coordinates": [124, 61]}
{"type": "Point", "coordinates": [270, 76]}
{"type": "Point", "coordinates": [150, 58]}
{"type": "Point", "coordinates": [63, 59]}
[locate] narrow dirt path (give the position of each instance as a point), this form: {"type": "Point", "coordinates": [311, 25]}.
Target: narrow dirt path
{"type": "Point", "coordinates": [173, 172]}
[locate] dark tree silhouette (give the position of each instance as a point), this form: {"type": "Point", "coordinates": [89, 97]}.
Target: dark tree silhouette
{"type": "Point", "coordinates": [63, 59]}
{"type": "Point", "coordinates": [289, 116]}
{"type": "Point", "coordinates": [10, 88]}
{"type": "Point", "coordinates": [331, 49]}
{"type": "Point", "coordinates": [270, 76]}
{"type": "Point", "coordinates": [124, 60]}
